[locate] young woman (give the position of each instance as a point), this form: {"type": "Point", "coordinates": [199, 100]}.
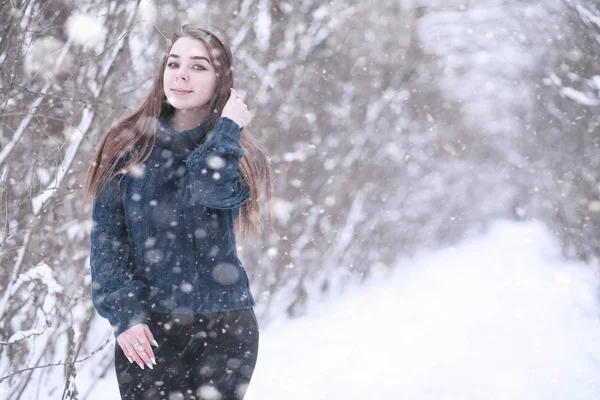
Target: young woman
{"type": "Point", "coordinates": [169, 183]}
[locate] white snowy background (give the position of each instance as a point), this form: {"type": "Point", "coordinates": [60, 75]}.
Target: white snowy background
{"type": "Point", "coordinates": [407, 138]}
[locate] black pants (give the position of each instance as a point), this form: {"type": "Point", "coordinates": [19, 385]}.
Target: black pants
{"type": "Point", "coordinates": [210, 356]}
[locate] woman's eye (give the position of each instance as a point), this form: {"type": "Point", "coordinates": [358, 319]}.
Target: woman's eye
{"type": "Point", "coordinates": [199, 67]}
{"type": "Point", "coordinates": [172, 65]}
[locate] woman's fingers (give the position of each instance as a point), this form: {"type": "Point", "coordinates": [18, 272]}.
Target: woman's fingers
{"type": "Point", "coordinates": [237, 99]}
{"type": "Point", "coordinates": [135, 343]}
{"type": "Point", "coordinates": [124, 350]}
{"type": "Point", "coordinates": [130, 353]}
{"type": "Point", "coordinates": [144, 350]}
{"type": "Point", "coordinates": [149, 336]}
{"type": "Point", "coordinates": [134, 354]}
{"type": "Point", "coordinates": [236, 109]}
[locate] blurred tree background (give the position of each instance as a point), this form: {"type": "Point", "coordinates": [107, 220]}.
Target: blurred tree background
{"type": "Point", "coordinates": [392, 126]}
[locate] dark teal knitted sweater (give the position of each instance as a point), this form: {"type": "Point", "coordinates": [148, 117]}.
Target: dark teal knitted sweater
{"type": "Point", "coordinates": [162, 240]}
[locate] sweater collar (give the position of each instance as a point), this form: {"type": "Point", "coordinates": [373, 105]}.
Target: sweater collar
{"type": "Point", "coordinates": [180, 142]}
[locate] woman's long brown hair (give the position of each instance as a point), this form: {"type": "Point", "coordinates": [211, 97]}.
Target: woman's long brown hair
{"type": "Point", "coordinates": [132, 134]}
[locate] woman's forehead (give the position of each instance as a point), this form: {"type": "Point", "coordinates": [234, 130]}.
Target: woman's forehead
{"type": "Point", "coordinates": [188, 47]}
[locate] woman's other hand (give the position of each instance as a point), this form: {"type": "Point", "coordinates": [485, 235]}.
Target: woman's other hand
{"type": "Point", "coordinates": [135, 343]}
{"type": "Point", "coordinates": [236, 110]}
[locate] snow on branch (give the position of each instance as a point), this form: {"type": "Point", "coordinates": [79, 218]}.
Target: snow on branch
{"type": "Point", "coordinates": [60, 363]}
{"type": "Point", "coordinates": [86, 30]}
{"type": "Point", "coordinates": [41, 273]}
{"type": "Point", "coordinates": [262, 25]}
{"type": "Point", "coordinates": [39, 200]}
{"type": "Point", "coordinates": [590, 16]}
{"type": "Point", "coordinates": [579, 97]}
{"type": "Point", "coordinates": [84, 125]}
{"type": "Point", "coordinates": [21, 335]}
{"type": "Point", "coordinates": [13, 276]}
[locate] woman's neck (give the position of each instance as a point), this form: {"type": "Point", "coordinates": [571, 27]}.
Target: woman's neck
{"type": "Point", "coordinates": [184, 120]}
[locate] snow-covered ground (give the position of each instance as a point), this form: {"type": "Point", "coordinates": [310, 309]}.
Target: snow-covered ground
{"type": "Point", "coordinates": [498, 317]}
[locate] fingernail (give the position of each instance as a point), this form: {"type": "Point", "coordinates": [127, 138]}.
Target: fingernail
{"type": "Point", "coordinates": [150, 366]}
{"type": "Point", "coordinates": [153, 360]}
{"type": "Point", "coordinates": [130, 359]}
{"type": "Point", "coordinates": [141, 366]}
{"type": "Point", "coordinates": [154, 342]}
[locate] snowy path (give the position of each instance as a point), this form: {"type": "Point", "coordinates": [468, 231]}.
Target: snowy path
{"type": "Point", "coordinates": [495, 318]}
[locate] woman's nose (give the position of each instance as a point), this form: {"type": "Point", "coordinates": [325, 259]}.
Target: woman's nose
{"type": "Point", "coordinates": [181, 74]}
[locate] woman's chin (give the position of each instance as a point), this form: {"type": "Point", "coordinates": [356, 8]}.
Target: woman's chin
{"type": "Point", "coordinates": [183, 105]}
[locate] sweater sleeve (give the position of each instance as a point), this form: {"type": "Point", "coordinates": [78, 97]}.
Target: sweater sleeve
{"type": "Point", "coordinates": [213, 177]}
{"type": "Point", "coordinates": [116, 294]}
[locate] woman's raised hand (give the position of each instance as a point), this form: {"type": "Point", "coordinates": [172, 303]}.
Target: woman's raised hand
{"type": "Point", "coordinates": [236, 110]}
{"type": "Point", "coordinates": [135, 343]}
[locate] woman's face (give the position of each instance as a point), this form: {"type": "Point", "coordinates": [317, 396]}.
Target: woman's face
{"type": "Point", "coordinates": [190, 79]}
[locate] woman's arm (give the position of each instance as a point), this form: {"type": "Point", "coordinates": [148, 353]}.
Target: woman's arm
{"type": "Point", "coordinates": [115, 293]}
{"type": "Point", "coordinates": [213, 177]}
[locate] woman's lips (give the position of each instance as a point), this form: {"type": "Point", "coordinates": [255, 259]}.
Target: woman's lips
{"type": "Point", "coordinates": [178, 91]}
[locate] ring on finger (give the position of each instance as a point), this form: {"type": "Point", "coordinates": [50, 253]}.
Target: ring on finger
{"type": "Point", "coordinates": [137, 346]}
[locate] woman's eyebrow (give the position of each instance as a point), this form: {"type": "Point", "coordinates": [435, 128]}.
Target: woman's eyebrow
{"type": "Point", "coordinates": [192, 57]}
